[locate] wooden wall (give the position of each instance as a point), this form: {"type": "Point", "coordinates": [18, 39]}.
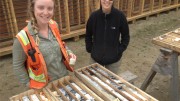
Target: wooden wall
{"type": "Point", "coordinates": [72, 15]}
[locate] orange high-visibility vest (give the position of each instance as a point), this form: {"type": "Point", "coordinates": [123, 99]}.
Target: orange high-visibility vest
{"type": "Point", "coordinates": [37, 69]}
{"type": "Point", "coordinates": [56, 33]}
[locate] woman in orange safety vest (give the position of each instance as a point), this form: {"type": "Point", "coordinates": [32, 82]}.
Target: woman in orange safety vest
{"type": "Point", "coordinates": [39, 55]}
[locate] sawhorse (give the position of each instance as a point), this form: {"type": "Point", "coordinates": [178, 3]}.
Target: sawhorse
{"type": "Point", "coordinates": [174, 83]}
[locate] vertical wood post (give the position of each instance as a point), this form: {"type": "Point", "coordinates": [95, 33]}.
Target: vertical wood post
{"type": "Point", "coordinates": [174, 87]}
{"type": "Point", "coordinates": [129, 10]}
{"type": "Point", "coordinates": [86, 5]}
{"type": "Point", "coordinates": [151, 5]}
{"type": "Point", "coordinates": [14, 18]}
{"type": "Point", "coordinates": [67, 16]}
{"type": "Point", "coordinates": [142, 7]}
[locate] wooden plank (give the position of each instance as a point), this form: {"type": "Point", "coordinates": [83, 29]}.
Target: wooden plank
{"type": "Point", "coordinates": [71, 12]}
{"type": "Point", "coordinates": [58, 91]}
{"type": "Point", "coordinates": [153, 12]}
{"type": "Point", "coordinates": [97, 4]}
{"type": "Point", "coordinates": [175, 2]}
{"type": "Point", "coordinates": [9, 16]}
{"type": "Point", "coordinates": [151, 5]}
{"type": "Point", "coordinates": [63, 86]}
{"type": "Point", "coordinates": [104, 87]}
{"type": "Point", "coordinates": [87, 10]}
{"type": "Point", "coordinates": [148, 80]}
{"type": "Point", "coordinates": [160, 4]}
{"type": "Point", "coordinates": [67, 80]}
{"type": "Point", "coordinates": [31, 92]}
{"type": "Point", "coordinates": [5, 50]}
{"type": "Point", "coordinates": [169, 40]}
{"type": "Point", "coordinates": [13, 16]}
{"type": "Point", "coordinates": [142, 6]}
{"type": "Point", "coordinates": [5, 16]}
{"type": "Point", "coordinates": [6, 43]}
{"type": "Point", "coordinates": [123, 87]}
{"type": "Point", "coordinates": [81, 85]}
{"type": "Point", "coordinates": [174, 87]}
{"type": "Point", "coordinates": [5, 36]}
{"type": "Point", "coordinates": [73, 34]}
{"type": "Point", "coordinates": [169, 2]}
{"type": "Point", "coordinates": [87, 83]}
{"type": "Point", "coordinates": [53, 86]}
{"type": "Point", "coordinates": [67, 16]}
{"type": "Point", "coordinates": [60, 15]}
{"type": "Point", "coordinates": [78, 12]}
{"type": "Point", "coordinates": [129, 8]}
{"type": "Point", "coordinates": [74, 88]}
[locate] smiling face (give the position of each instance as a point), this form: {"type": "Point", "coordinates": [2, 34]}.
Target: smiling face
{"type": "Point", "coordinates": [43, 11]}
{"type": "Point", "coordinates": [106, 5]}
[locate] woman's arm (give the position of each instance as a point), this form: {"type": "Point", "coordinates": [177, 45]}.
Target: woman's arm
{"type": "Point", "coordinates": [19, 58]}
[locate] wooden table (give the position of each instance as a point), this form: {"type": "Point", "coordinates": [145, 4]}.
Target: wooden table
{"type": "Point", "coordinates": [170, 40]}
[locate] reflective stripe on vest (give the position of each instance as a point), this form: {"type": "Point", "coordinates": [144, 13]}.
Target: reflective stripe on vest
{"type": "Point", "coordinates": [23, 36]}
{"type": "Point", "coordinates": [51, 21]}
{"type": "Point", "coordinates": [39, 78]}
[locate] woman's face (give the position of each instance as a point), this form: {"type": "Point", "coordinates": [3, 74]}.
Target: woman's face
{"type": "Point", "coordinates": [106, 5]}
{"type": "Point", "coordinates": [43, 10]}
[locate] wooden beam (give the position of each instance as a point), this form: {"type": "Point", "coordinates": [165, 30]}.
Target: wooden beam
{"type": "Point", "coordinates": [160, 4]}
{"type": "Point", "coordinates": [129, 11]}
{"type": "Point", "coordinates": [73, 34]}
{"type": "Point", "coordinates": [78, 12]}
{"type": "Point", "coordinates": [152, 12]}
{"type": "Point", "coordinates": [6, 16]}
{"type": "Point", "coordinates": [151, 5]}
{"type": "Point", "coordinates": [67, 16]}
{"type": "Point", "coordinates": [5, 51]}
{"type": "Point", "coordinates": [148, 80]}
{"type": "Point", "coordinates": [59, 12]}
{"type": "Point", "coordinates": [87, 9]}
{"type": "Point", "coordinates": [9, 17]}
{"type": "Point", "coordinates": [14, 18]}
{"type": "Point", "coordinates": [142, 6]}
{"type": "Point", "coordinates": [6, 43]}
{"type": "Point", "coordinates": [90, 92]}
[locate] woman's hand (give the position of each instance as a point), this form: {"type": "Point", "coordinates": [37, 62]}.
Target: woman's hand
{"type": "Point", "coordinates": [72, 59]}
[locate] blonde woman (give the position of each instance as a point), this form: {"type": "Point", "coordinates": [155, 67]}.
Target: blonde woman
{"type": "Point", "coordinates": [39, 55]}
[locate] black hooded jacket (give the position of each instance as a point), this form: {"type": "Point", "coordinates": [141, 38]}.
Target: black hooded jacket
{"type": "Point", "coordinates": [107, 36]}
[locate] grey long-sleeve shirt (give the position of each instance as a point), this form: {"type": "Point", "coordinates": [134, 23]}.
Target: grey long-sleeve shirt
{"type": "Point", "coordinates": [50, 50]}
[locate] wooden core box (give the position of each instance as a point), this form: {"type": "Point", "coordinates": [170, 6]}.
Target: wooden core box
{"type": "Point", "coordinates": [28, 94]}
{"type": "Point", "coordinates": [109, 86]}
{"type": "Point", "coordinates": [90, 83]}
{"type": "Point", "coordinates": [170, 40]}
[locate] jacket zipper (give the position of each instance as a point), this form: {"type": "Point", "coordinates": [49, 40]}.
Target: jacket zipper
{"type": "Point", "coordinates": [105, 28]}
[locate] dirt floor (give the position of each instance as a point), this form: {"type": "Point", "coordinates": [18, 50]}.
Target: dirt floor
{"type": "Point", "coordinates": [138, 58]}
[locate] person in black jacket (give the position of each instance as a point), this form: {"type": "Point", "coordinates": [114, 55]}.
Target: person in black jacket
{"type": "Point", "coordinates": [107, 35]}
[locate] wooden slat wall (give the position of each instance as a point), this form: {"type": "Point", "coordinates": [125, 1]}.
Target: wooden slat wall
{"type": "Point", "coordinates": [72, 15]}
{"type": "Point", "coordinates": [20, 9]}
{"type": "Point", "coordinates": [7, 23]}
{"type": "Point", "coordinates": [4, 28]}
